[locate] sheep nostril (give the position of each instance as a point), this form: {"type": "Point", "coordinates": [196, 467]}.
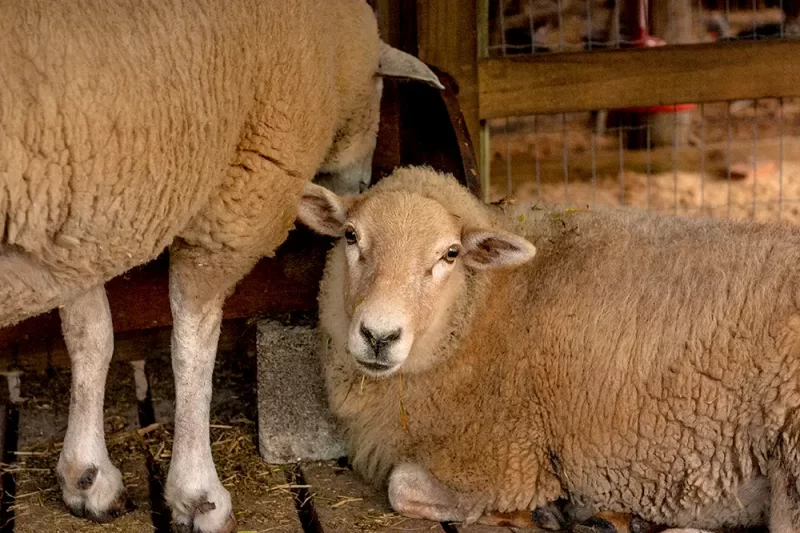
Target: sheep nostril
{"type": "Point", "coordinates": [392, 337]}
{"type": "Point", "coordinates": [377, 341]}
{"type": "Point", "coordinates": [367, 334]}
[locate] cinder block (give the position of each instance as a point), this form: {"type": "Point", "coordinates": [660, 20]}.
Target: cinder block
{"type": "Point", "coordinates": [294, 423]}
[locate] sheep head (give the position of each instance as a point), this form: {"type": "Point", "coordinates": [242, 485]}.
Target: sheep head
{"type": "Point", "coordinates": [347, 168]}
{"type": "Point", "coordinates": [401, 264]}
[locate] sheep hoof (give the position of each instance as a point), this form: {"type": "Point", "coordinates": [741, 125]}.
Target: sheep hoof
{"type": "Point", "coordinates": [201, 515]}
{"type": "Point", "coordinates": [94, 492]}
{"type": "Point", "coordinates": [641, 526]}
{"type": "Point", "coordinates": [118, 507]}
{"type": "Point", "coordinates": [606, 522]}
{"type": "Point", "coordinates": [548, 517]}
{"type": "Point", "coordinates": [595, 524]}
{"type": "Point", "coordinates": [228, 527]}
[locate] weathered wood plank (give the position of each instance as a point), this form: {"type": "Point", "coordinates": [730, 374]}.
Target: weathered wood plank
{"type": "Point", "coordinates": [566, 82]}
{"type": "Point", "coordinates": [448, 39]}
{"type": "Point", "coordinates": [466, 148]}
{"type": "Point", "coordinates": [346, 504]}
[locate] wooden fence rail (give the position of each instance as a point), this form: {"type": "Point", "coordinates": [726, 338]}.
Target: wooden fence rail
{"type": "Point", "coordinates": [566, 82]}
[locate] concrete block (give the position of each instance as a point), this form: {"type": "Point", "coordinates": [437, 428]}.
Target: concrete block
{"type": "Point", "coordinates": [294, 422]}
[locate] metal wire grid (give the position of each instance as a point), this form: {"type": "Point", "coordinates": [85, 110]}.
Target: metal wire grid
{"type": "Point", "coordinates": [734, 138]}
{"type": "Point", "coordinates": [570, 25]}
{"type": "Point", "coordinates": [734, 165]}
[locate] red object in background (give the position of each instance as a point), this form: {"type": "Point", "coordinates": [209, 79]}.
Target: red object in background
{"type": "Point", "coordinates": [641, 39]}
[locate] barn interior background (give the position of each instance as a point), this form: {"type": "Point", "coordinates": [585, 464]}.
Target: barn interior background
{"type": "Point", "coordinates": [680, 106]}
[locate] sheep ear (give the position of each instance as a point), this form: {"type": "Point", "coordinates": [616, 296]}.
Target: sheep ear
{"type": "Point", "coordinates": [485, 249]}
{"type": "Point", "coordinates": [322, 211]}
{"type": "Point", "coordinates": [396, 64]}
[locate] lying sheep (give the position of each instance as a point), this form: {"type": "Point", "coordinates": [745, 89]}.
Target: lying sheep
{"type": "Point", "coordinates": [126, 127]}
{"type": "Point", "coordinates": [636, 364]}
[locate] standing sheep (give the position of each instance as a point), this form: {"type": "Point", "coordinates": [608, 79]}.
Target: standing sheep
{"type": "Point", "coordinates": [127, 127]}
{"type": "Point", "coordinates": [636, 364]}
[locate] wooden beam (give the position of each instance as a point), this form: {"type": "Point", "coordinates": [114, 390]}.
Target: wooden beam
{"type": "Point", "coordinates": [567, 82]}
{"type": "Point", "coordinates": [139, 298]}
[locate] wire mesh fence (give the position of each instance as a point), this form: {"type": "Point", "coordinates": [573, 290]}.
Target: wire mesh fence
{"type": "Point", "coordinates": [742, 160]}
{"type": "Point", "coordinates": [540, 26]}
{"type": "Point", "coordinates": [728, 159]}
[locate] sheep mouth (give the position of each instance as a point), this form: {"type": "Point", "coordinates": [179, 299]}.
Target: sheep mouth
{"type": "Point", "coordinates": [375, 367]}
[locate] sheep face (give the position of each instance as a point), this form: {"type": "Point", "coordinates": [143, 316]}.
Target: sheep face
{"type": "Point", "coordinates": [400, 274]}
{"type": "Point", "coordinates": [398, 271]}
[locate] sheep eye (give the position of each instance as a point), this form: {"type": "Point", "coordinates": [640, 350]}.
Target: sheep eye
{"type": "Point", "coordinates": [451, 254]}
{"type": "Point", "coordinates": [350, 235]}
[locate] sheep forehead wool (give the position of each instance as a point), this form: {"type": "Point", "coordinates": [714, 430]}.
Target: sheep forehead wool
{"type": "Point", "coordinates": [407, 223]}
{"type": "Point", "coordinates": [442, 188]}
{"type": "Point", "coordinates": [637, 364]}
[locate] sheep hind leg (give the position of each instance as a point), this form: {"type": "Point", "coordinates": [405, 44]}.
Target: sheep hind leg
{"type": "Point", "coordinates": [91, 486]}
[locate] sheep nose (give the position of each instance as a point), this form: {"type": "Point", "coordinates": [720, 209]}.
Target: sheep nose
{"type": "Point", "coordinates": [379, 341]}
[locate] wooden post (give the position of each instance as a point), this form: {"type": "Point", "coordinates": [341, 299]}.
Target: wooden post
{"type": "Point", "coordinates": [447, 33]}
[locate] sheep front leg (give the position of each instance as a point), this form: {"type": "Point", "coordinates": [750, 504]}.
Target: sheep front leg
{"type": "Point", "coordinates": [414, 492]}
{"type": "Point", "coordinates": [90, 485]}
{"type": "Point", "coordinates": [197, 288]}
